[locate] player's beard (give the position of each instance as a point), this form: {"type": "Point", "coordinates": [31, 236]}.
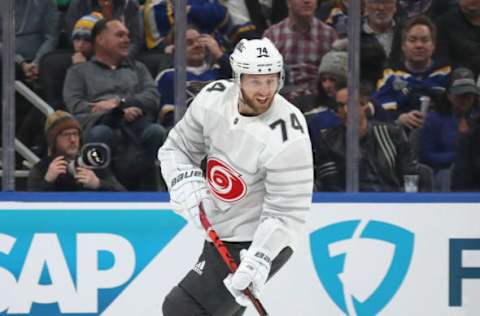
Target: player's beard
{"type": "Point", "coordinates": [251, 104]}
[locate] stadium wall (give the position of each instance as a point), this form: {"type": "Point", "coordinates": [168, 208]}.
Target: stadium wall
{"type": "Point", "coordinates": [120, 254]}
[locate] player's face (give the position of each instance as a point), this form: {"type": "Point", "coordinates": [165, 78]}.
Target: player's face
{"type": "Point", "coordinates": [68, 143]}
{"type": "Point", "coordinates": [257, 93]}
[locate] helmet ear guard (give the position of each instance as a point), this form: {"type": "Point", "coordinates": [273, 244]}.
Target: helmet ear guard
{"type": "Point", "coordinates": [257, 56]}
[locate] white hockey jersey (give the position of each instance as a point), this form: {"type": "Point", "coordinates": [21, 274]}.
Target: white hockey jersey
{"type": "Point", "coordinates": [259, 168]}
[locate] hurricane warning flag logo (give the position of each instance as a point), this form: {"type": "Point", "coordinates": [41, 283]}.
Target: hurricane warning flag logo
{"type": "Point", "coordinates": [361, 264]}
{"type": "Point", "coordinates": [225, 183]}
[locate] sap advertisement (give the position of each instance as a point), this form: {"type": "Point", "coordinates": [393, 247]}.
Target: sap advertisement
{"type": "Point", "coordinates": [355, 258]}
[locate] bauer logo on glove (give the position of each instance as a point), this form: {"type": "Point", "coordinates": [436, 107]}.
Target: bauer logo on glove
{"type": "Point", "coordinates": [185, 175]}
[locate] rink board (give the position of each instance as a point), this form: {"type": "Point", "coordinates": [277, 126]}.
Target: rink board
{"type": "Point", "coordinates": [397, 256]}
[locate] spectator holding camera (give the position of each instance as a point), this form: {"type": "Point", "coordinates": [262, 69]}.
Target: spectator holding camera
{"type": "Point", "coordinates": [116, 101]}
{"type": "Point", "coordinates": [57, 172]}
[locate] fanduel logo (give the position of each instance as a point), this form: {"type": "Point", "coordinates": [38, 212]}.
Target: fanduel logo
{"type": "Point", "coordinates": [361, 264]}
{"type": "Point", "coordinates": [76, 262]}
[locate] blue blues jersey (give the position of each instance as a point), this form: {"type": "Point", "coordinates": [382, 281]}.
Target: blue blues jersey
{"type": "Point", "coordinates": [399, 90]}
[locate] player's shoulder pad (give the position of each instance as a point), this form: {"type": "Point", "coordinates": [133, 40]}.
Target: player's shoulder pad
{"type": "Point", "coordinates": [215, 89]}
{"type": "Point", "coordinates": [217, 86]}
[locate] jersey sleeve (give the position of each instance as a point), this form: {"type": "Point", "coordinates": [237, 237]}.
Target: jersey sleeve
{"type": "Point", "coordinates": [289, 185]}
{"type": "Point", "coordinates": [185, 146]}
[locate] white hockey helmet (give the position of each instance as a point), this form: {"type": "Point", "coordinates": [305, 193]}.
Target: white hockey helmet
{"type": "Point", "coordinates": [257, 56]}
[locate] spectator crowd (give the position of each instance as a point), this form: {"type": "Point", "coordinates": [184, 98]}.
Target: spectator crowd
{"type": "Point", "coordinates": [106, 68]}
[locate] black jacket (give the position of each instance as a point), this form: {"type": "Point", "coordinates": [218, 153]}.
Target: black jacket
{"type": "Point", "coordinates": [466, 166]}
{"type": "Point", "coordinates": [458, 41]}
{"type": "Point", "coordinates": [66, 182]}
{"type": "Point", "coordinates": [373, 59]}
{"type": "Point", "coordinates": [385, 156]}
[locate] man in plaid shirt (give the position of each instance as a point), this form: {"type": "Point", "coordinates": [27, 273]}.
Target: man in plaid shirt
{"type": "Point", "coordinates": [302, 39]}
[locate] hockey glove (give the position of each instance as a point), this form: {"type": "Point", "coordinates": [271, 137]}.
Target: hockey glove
{"type": "Point", "coordinates": [252, 272]}
{"type": "Point", "coordinates": [187, 190]}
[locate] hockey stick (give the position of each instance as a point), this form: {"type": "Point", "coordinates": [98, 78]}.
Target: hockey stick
{"type": "Point", "coordinates": [227, 258]}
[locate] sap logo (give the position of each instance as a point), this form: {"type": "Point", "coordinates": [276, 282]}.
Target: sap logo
{"type": "Point", "coordinates": [361, 265]}
{"type": "Point", "coordinates": [79, 262]}
{"type": "Point", "coordinates": [457, 270]}
{"type": "Point", "coordinates": [45, 254]}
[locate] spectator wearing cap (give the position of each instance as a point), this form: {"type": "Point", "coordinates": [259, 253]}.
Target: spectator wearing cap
{"type": "Point", "coordinates": [443, 126]}
{"type": "Point", "coordinates": [81, 37]}
{"type": "Point", "coordinates": [53, 173]}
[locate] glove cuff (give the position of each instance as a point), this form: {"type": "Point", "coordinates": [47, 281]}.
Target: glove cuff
{"type": "Point", "coordinates": [262, 256]}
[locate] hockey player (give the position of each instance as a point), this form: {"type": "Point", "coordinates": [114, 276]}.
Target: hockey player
{"type": "Point", "coordinates": [258, 183]}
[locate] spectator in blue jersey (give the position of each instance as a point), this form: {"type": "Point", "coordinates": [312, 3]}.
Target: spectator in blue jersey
{"type": "Point", "coordinates": [402, 86]}
{"type": "Point", "coordinates": [206, 62]}
{"type": "Point", "coordinates": [443, 126]}
{"type": "Point", "coordinates": [210, 16]}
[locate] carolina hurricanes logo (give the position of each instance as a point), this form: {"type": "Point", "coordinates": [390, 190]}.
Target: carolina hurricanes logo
{"type": "Point", "coordinates": [225, 183]}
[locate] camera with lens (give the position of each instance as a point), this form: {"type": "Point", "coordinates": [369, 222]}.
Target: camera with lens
{"type": "Point", "coordinates": [91, 156]}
